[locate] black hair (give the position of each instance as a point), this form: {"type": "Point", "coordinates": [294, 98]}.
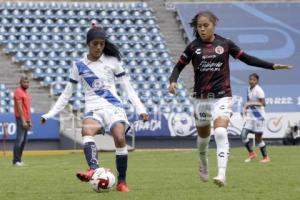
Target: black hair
{"type": "Point", "coordinates": [212, 17]}
{"type": "Point", "coordinates": [24, 78]}
{"type": "Point", "coordinates": [110, 48]}
{"type": "Point", "coordinates": [254, 75]}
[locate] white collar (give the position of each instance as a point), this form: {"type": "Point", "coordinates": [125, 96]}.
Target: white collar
{"type": "Point", "coordinates": [87, 61]}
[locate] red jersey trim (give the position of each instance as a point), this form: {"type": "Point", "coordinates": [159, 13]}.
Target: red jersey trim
{"type": "Point", "coordinates": [239, 54]}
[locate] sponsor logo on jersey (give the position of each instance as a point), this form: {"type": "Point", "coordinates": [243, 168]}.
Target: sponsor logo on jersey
{"type": "Point", "coordinates": [198, 51]}
{"type": "Point", "coordinates": [219, 50]}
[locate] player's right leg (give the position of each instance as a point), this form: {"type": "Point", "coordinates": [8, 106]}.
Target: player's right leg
{"type": "Point", "coordinates": [246, 141]}
{"type": "Point", "coordinates": [90, 127]}
{"type": "Point", "coordinates": [202, 144]}
{"type": "Point", "coordinates": [202, 119]}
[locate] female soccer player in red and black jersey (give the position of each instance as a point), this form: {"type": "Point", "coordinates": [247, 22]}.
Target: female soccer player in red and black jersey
{"type": "Point", "coordinates": [209, 54]}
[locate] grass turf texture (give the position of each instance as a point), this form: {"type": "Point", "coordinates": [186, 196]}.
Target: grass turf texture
{"type": "Point", "coordinates": [156, 175]}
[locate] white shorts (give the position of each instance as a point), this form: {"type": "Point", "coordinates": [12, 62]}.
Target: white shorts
{"type": "Point", "coordinates": [206, 110]}
{"type": "Point", "coordinates": [108, 117]}
{"type": "Point", "coordinates": [255, 126]}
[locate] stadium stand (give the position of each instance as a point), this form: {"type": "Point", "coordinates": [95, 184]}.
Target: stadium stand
{"type": "Point", "coordinates": [40, 36]}
{"type": "Point", "coordinates": [6, 100]}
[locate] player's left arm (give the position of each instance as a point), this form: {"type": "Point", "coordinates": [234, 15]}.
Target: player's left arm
{"type": "Point", "coordinates": [134, 99]}
{"type": "Point", "coordinates": [123, 80]}
{"type": "Point", "coordinates": [257, 62]}
{"type": "Point", "coordinates": [239, 53]}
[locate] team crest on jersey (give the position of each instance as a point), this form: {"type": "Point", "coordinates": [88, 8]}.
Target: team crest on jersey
{"type": "Point", "coordinates": [219, 50]}
{"type": "Point", "coordinates": [97, 84]}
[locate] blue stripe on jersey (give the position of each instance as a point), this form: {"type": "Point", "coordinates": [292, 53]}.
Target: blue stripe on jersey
{"type": "Point", "coordinates": [256, 113]}
{"type": "Point", "coordinates": [90, 77]}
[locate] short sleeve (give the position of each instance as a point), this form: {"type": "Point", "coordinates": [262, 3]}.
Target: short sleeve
{"type": "Point", "coordinates": [186, 56]}
{"type": "Point", "coordinates": [234, 50]}
{"type": "Point", "coordinates": [18, 95]}
{"type": "Point", "coordinates": [74, 75]}
{"type": "Point", "coordinates": [260, 93]}
{"type": "Point", "coordinates": [118, 69]}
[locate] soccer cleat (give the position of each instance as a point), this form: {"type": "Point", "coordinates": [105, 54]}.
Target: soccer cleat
{"type": "Point", "coordinates": [85, 176]}
{"type": "Point", "coordinates": [19, 164]}
{"type": "Point", "coordinates": [203, 172]}
{"type": "Point", "coordinates": [251, 156]}
{"type": "Point", "coordinates": [219, 181]}
{"type": "Point", "coordinates": [122, 187]}
{"type": "Point", "coordinates": [265, 159]}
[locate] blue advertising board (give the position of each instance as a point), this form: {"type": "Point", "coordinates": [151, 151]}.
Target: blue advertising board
{"type": "Point", "coordinates": [47, 131]}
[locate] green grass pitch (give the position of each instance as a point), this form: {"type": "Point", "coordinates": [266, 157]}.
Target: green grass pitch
{"type": "Point", "coordinates": [156, 175]}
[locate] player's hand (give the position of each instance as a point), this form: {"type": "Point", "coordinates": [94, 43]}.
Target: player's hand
{"type": "Point", "coordinates": [281, 66]}
{"type": "Point", "coordinates": [43, 120]}
{"type": "Point", "coordinates": [172, 87]}
{"type": "Point", "coordinates": [29, 125]}
{"type": "Point", "coordinates": [25, 125]}
{"type": "Point", "coordinates": [144, 117]}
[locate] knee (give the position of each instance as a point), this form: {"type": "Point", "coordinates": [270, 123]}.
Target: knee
{"type": "Point", "coordinates": [258, 140]}
{"type": "Point", "coordinates": [261, 144]}
{"type": "Point", "coordinates": [87, 132]}
{"type": "Point", "coordinates": [244, 135]}
{"type": "Point", "coordinates": [220, 133]}
{"type": "Point", "coordinates": [119, 138]}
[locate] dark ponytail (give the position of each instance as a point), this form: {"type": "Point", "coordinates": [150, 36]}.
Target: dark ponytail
{"type": "Point", "coordinates": [111, 49]}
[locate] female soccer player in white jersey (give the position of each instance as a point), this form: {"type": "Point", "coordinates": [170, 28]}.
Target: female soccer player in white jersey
{"type": "Point", "coordinates": [209, 54]}
{"type": "Point", "coordinates": [255, 119]}
{"type": "Point", "coordinates": [98, 71]}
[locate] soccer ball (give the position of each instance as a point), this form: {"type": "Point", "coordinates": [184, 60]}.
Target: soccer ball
{"type": "Point", "coordinates": [102, 180]}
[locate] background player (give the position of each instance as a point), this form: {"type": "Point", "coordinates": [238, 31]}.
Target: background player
{"type": "Point", "coordinates": [97, 71]}
{"type": "Point", "coordinates": [209, 54]}
{"type": "Point", "coordinates": [255, 118]}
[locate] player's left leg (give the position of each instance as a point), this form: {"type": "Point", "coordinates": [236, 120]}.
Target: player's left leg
{"type": "Point", "coordinates": [263, 148]}
{"type": "Point", "coordinates": [118, 133]}
{"type": "Point", "coordinates": [221, 138]}
{"type": "Point", "coordinates": [246, 141]}
{"type": "Point", "coordinates": [222, 110]}
{"type": "Point", "coordinates": [258, 129]}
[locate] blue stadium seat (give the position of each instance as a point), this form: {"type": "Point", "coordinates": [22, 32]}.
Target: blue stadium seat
{"type": "Point", "coordinates": [46, 37]}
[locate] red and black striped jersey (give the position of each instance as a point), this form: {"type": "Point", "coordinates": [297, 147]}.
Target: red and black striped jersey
{"type": "Point", "coordinates": [210, 61]}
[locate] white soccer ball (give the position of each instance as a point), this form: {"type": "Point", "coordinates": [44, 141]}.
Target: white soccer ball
{"type": "Point", "coordinates": [102, 180]}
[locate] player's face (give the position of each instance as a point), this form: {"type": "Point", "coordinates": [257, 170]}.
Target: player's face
{"type": "Point", "coordinates": [205, 28]}
{"type": "Point", "coordinates": [252, 81]}
{"type": "Point", "coordinates": [25, 84]}
{"type": "Point", "coordinates": [96, 47]}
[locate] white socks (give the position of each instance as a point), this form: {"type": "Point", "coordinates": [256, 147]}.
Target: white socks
{"type": "Point", "coordinates": [222, 143]}
{"type": "Point", "coordinates": [202, 144]}
{"type": "Point", "coordinates": [122, 150]}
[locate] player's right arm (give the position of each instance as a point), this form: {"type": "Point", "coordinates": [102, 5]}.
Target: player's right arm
{"type": "Point", "coordinates": [184, 59]}
{"type": "Point", "coordinates": [65, 96]}
{"type": "Point", "coordinates": [260, 99]}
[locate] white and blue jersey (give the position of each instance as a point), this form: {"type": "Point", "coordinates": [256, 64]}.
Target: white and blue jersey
{"type": "Point", "coordinates": [98, 79]}
{"type": "Point", "coordinates": [254, 95]}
